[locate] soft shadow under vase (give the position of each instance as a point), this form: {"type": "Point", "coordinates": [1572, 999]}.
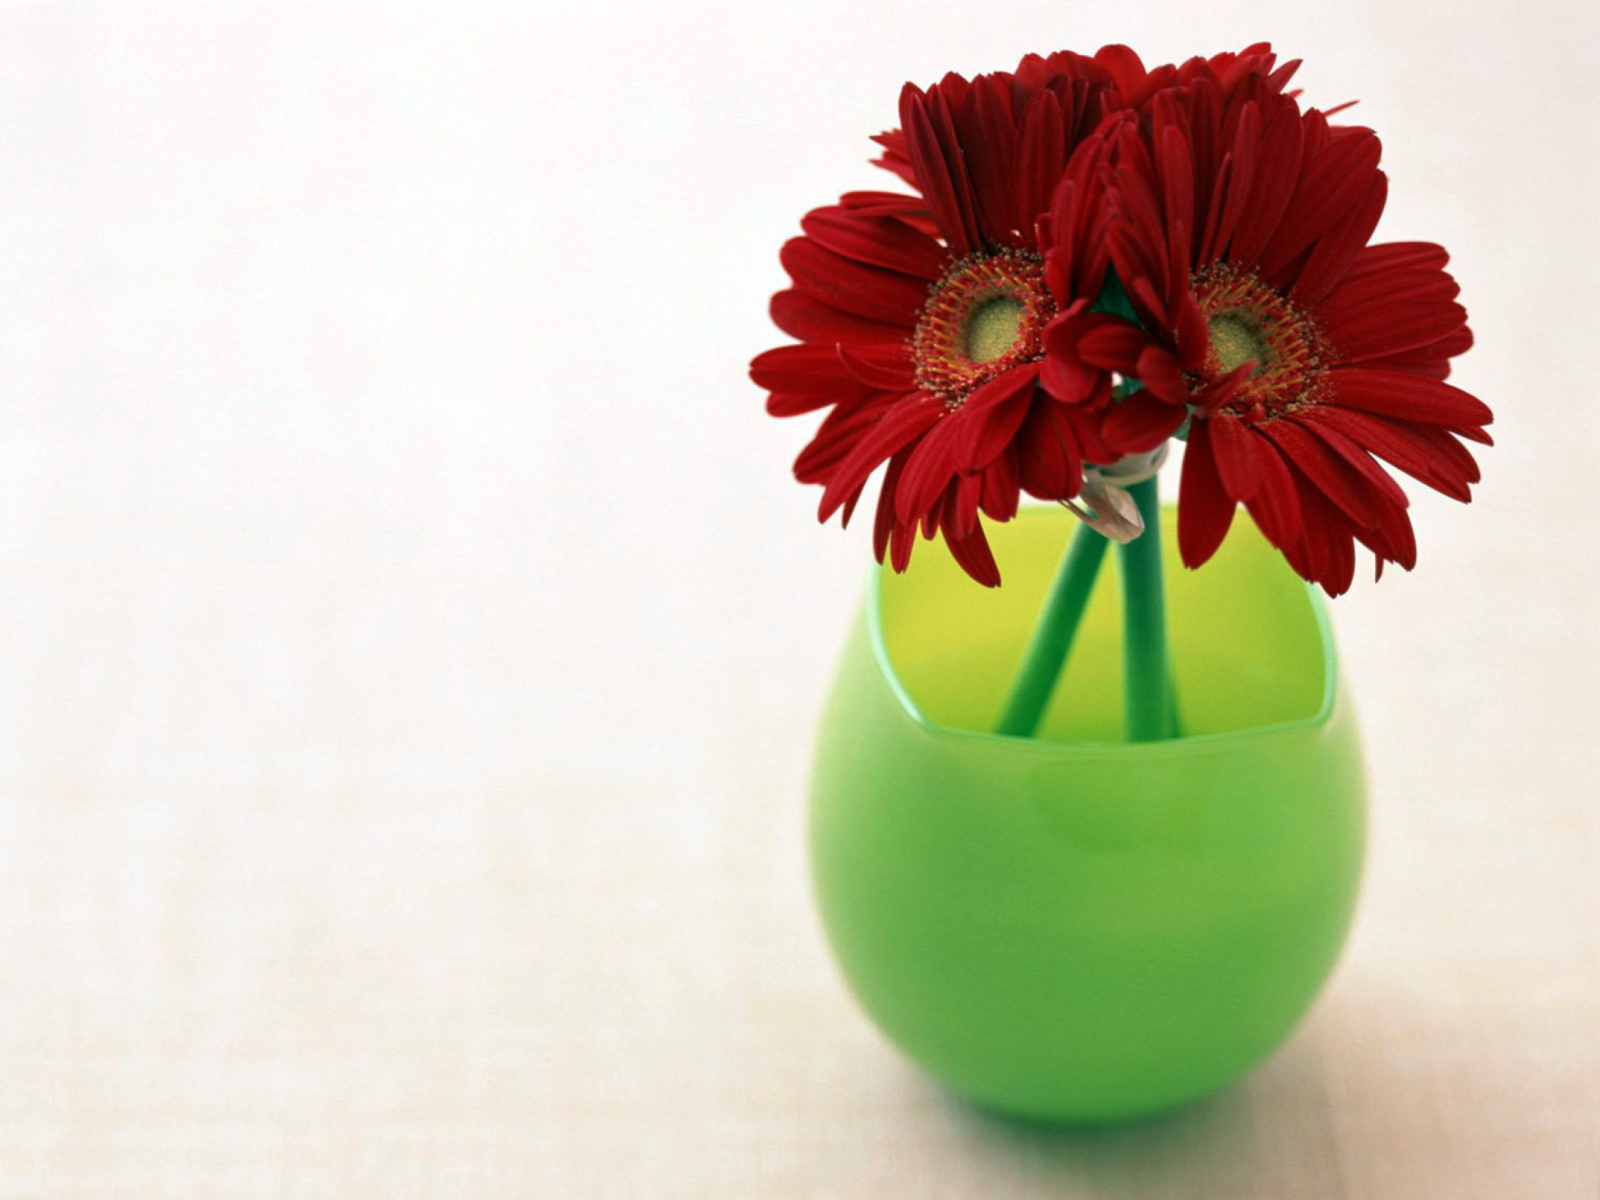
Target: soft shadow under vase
{"type": "Point", "coordinates": [1073, 928]}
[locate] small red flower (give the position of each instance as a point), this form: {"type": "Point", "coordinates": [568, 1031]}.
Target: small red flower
{"type": "Point", "coordinates": [1298, 353]}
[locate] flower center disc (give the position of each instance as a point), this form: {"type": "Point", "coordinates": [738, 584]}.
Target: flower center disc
{"type": "Point", "coordinates": [983, 317]}
{"type": "Point", "coordinates": [993, 328]}
{"type": "Point", "coordinates": [1251, 322]}
{"type": "Point", "coordinates": [1236, 341]}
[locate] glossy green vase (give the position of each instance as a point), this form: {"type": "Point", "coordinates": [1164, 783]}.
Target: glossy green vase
{"type": "Point", "coordinates": [1075, 928]}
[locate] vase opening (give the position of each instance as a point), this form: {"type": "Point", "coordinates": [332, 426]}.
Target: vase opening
{"type": "Point", "coordinates": [1250, 643]}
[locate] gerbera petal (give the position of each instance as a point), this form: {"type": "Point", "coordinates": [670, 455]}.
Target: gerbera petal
{"type": "Point", "coordinates": [852, 286]}
{"type": "Point", "coordinates": [1068, 381]}
{"type": "Point", "coordinates": [804, 317]}
{"type": "Point", "coordinates": [1066, 375]}
{"type": "Point", "coordinates": [1237, 450]}
{"type": "Point", "coordinates": [989, 136]}
{"type": "Point", "coordinates": [931, 466]}
{"type": "Point", "coordinates": [902, 541]}
{"type": "Point", "coordinates": [1358, 293]}
{"type": "Point", "coordinates": [903, 423]}
{"type": "Point", "coordinates": [1190, 331]}
{"type": "Point", "coordinates": [1336, 250]}
{"type": "Point", "coordinates": [795, 404]}
{"type": "Point", "coordinates": [1395, 256]}
{"type": "Point", "coordinates": [840, 430]}
{"type": "Point", "coordinates": [1277, 165]}
{"type": "Point", "coordinates": [884, 520]}
{"type": "Point", "coordinates": [1390, 537]}
{"type": "Point", "coordinates": [1275, 508]}
{"type": "Point", "coordinates": [1426, 453]}
{"type": "Point", "coordinates": [1141, 422]}
{"type": "Point", "coordinates": [1001, 489]}
{"type": "Point", "coordinates": [1201, 120]}
{"type": "Point", "coordinates": [1161, 375]}
{"type": "Point", "coordinates": [799, 368]}
{"type": "Point", "coordinates": [1049, 455]}
{"type": "Point", "coordinates": [958, 514]}
{"type": "Point", "coordinates": [894, 159]}
{"type": "Point", "coordinates": [878, 240]}
{"type": "Point", "coordinates": [1328, 545]}
{"type": "Point", "coordinates": [1379, 480]}
{"type": "Point", "coordinates": [1279, 79]}
{"type": "Point", "coordinates": [1204, 510]}
{"type": "Point", "coordinates": [1135, 84]}
{"type": "Point", "coordinates": [992, 415]}
{"type": "Point", "coordinates": [1137, 237]}
{"type": "Point", "coordinates": [1041, 155]}
{"type": "Point", "coordinates": [1432, 359]}
{"type": "Point", "coordinates": [1175, 168]}
{"type": "Point", "coordinates": [913, 210]}
{"type": "Point", "coordinates": [1409, 397]}
{"type": "Point", "coordinates": [1329, 473]}
{"type": "Point", "coordinates": [1107, 341]}
{"type": "Point", "coordinates": [1072, 234]}
{"type": "Point", "coordinates": [885, 365]}
{"type": "Point", "coordinates": [1219, 391]}
{"type": "Point", "coordinates": [805, 377]}
{"type": "Point", "coordinates": [1153, 304]}
{"type": "Point", "coordinates": [1332, 183]}
{"type": "Point", "coordinates": [948, 195]}
{"type": "Point", "coordinates": [1394, 327]}
{"type": "Point", "coordinates": [1235, 177]}
{"type": "Point", "coordinates": [974, 556]}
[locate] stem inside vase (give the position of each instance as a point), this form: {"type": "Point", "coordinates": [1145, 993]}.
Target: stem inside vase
{"type": "Point", "coordinates": [1148, 701]}
{"type": "Point", "coordinates": [1053, 636]}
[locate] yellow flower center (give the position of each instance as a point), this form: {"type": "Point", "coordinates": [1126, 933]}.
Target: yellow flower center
{"type": "Point", "coordinates": [1251, 321]}
{"type": "Point", "coordinates": [993, 328]}
{"type": "Point", "coordinates": [1236, 339]}
{"type": "Point", "coordinates": [985, 316]}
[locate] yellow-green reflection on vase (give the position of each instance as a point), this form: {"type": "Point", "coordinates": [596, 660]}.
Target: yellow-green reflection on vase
{"type": "Point", "coordinates": [1075, 928]}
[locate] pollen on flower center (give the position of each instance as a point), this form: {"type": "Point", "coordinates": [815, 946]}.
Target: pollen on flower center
{"type": "Point", "coordinates": [983, 317]}
{"type": "Point", "coordinates": [1236, 340]}
{"type": "Point", "coordinates": [993, 328]}
{"type": "Point", "coordinates": [1251, 321]}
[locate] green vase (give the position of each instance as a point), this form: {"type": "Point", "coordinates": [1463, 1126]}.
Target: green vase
{"type": "Point", "coordinates": [1075, 928]}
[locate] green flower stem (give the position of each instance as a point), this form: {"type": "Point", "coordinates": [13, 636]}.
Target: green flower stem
{"type": "Point", "coordinates": [1052, 636]}
{"type": "Point", "coordinates": [1151, 698]}
{"type": "Point", "coordinates": [1148, 699]}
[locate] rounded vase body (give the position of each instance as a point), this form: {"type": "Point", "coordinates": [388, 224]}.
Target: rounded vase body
{"type": "Point", "coordinates": [1071, 927]}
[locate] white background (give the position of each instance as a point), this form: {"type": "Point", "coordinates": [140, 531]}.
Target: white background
{"type": "Point", "coordinates": [410, 635]}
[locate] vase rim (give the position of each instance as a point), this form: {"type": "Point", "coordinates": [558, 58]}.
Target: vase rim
{"type": "Point", "coordinates": [1166, 747]}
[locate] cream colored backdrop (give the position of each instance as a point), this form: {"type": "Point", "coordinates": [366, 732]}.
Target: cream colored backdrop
{"type": "Point", "coordinates": [410, 636]}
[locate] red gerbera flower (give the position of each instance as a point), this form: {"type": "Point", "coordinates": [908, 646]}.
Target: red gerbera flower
{"type": "Point", "coordinates": [921, 318]}
{"type": "Point", "coordinates": [1239, 227]}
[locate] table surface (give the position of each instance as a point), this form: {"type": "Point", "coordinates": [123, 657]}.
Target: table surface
{"type": "Point", "coordinates": [413, 640]}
